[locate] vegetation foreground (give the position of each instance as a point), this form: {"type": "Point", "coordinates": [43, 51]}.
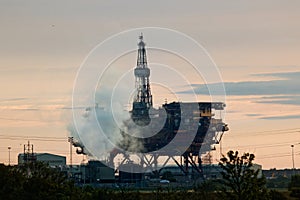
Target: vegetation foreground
{"type": "Point", "coordinates": [240, 181]}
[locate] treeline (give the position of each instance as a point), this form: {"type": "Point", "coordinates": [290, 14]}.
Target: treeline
{"type": "Point", "coordinates": [35, 181]}
{"type": "Point", "coordinates": [240, 181]}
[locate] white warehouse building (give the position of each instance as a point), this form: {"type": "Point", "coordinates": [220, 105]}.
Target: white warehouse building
{"type": "Point", "coordinates": [52, 159]}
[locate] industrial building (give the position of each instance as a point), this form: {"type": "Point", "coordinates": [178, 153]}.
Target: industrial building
{"type": "Point", "coordinates": [93, 172]}
{"type": "Point", "coordinates": [30, 156]}
{"type": "Point", "coordinates": [51, 159]}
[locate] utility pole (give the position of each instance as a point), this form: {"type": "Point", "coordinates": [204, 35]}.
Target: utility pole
{"type": "Point", "coordinates": [9, 148]}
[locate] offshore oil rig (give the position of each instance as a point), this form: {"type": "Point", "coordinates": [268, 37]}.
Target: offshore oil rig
{"type": "Point", "coordinates": [178, 121]}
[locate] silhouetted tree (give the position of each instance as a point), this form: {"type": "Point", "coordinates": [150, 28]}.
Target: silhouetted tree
{"type": "Point", "coordinates": [240, 180]}
{"type": "Point", "coordinates": [294, 186]}
{"type": "Point", "coordinates": [36, 180]}
{"type": "Point", "coordinates": [276, 195]}
{"type": "Point", "coordinates": [11, 183]}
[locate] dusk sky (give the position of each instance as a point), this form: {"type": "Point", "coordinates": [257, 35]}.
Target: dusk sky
{"type": "Point", "coordinates": [255, 44]}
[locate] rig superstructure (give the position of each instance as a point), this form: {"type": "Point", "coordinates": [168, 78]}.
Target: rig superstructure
{"type": "Point", "coordinates": [176, 119]}
{"type": "Point", "coordinates": [180, 120]}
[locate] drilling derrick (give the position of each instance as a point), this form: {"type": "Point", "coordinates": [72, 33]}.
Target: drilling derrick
{"type": "Point", "coordinates": [143, 99]}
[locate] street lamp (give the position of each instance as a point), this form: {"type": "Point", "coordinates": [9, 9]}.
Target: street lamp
{"type": "Point", "coordinates": [293, 158]}
{"type": "Point", "coordinates": [9, 148]}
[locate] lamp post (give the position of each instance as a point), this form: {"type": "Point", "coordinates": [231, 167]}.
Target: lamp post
{"type": "Point", "coordinates": [293, 158]}
{"type": "Point", "coordinates": [9, 148]}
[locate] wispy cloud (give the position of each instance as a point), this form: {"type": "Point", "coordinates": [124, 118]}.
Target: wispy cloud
{"type": "Point", "coordinates": [283, 90]}
{"type": "Point", "coordinates": [13, 99]}
{"type": "Point", "coordinates": [285, 99]}
{"type": "Point", "coordinates": [253, 115]}
{"type": "Point", "coordinates": [283, 117]}
{"type": "Point", "coordinates": [289, 85]}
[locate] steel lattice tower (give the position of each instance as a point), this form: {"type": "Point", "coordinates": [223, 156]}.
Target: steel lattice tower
{"type": "Point", "coordinates": [142, 74]}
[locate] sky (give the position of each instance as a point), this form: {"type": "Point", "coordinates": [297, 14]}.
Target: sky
{"type": "Point", "coordinates": [255, 45]}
